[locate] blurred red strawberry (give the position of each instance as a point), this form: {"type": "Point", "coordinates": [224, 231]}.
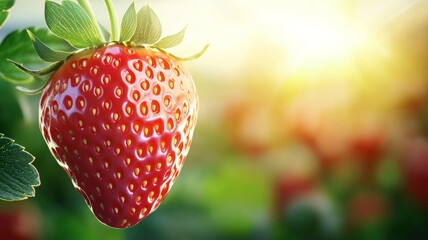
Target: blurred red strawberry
{"type": "Point", "coordinates": [414, 163]}
{"type": "Point", "coordinates": [19, 222]}
{"type": "Point", "coordinates": [289, 187]}
{"type": "Point", "coordinates": [367, 144]}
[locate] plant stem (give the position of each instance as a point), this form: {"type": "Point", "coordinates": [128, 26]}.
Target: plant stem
{"type": "Point", "coordinates": [87, 6]}
{"type": "Point", "coordinates": [113, 21]}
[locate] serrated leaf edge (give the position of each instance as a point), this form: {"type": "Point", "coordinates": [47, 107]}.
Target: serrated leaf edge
{"type": "Point", "coordinates": [164, 43]}
{"type": "Point", "coordinates": [89, 35]}
{"type": "Point", "coordinates": [38, 181]}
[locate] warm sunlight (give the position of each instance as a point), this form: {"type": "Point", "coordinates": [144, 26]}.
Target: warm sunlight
{"type": "Point", "coordinates": [319, 36]}
{"type": "Point", "coordinates": [317, 39]}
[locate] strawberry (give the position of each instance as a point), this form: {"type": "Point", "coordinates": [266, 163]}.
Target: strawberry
{"type": "Point", "coordinates": [414, 168]}
{"type": "Point", "coordinates": [290, 187]}
{"type": "Point", "coordinates": [120, 120]}
{"type": "Point", "coordinates": [117, 116]}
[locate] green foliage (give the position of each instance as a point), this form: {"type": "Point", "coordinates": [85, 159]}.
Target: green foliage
{"type": "Point", "coordinates": [24, 58]}
{"type": "Point", "coordinates": [172, 40]}
{"type": "Point", "coordinates": [388, 174]}
{"type": "Point", "coordinates": [17, 176]}
{"type": "Point", "coordinates": [39, 72]}
{"type": "Point", "coordinates": [3, 17]}
{"type": "Point", "coordinates": [10, 110]}
{"type": "Point", "coordinates": [194, 56]}
{"type": "Point", "coordinates": [225, 184]}
{"type": "Point", "coordinates": [129, 23]}
{"type": "Point", "coordinates": [5, 5]}
{"type": "Point", "coordinates": [81, 32]}
{"type": "Point", "coordinates": [46, 53]}
{"type": "Point", "coordinates": [149, 28]}
{"type": "Point", "coordinates": [18, 47]}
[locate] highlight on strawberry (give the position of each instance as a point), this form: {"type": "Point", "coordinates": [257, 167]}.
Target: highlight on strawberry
{"type": "Point", "coordinates": [117, 110]}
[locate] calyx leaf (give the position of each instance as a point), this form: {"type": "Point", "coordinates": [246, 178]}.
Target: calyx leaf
{"type": "Point", "coordinates": [74, 28]}
{"type": "Point", "coordinates": [18, 176]}
{"type": "Point", "coordinates": [72, 23]}
{"type": "Point", "coordinates": [172, 40]}
{"type": "Point", "coordinates": [18, 47]}
{"type": "Point", "coordinates": [45, 53]}
{"type": "Point", "coordinates": [31, 91]}
{"type": "Point", "coordinates": [191, 57]}
{"type": "Point", "coordinates": [39, 72]}
{"type": "Point", "coordinates": [149, 29]}
{"type": "Point", "coordinates": [129, 23]}
{"type": "Point", "coordinates": [5, 5]}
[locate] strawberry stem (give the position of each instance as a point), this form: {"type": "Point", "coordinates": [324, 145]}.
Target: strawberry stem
{"type": "Point", "coordinates": [113, 21]}
{"type": "Point", "coordinates": [87, 6]}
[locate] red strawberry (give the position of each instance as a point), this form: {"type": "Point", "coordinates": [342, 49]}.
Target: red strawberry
{"type": "Point", "coordinates": [120, 121]}
{"type": "Point", "coordinates": [118, 116]}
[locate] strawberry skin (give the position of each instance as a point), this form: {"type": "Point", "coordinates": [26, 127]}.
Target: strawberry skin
{"type": "Point", "coordinates": [119, 120]}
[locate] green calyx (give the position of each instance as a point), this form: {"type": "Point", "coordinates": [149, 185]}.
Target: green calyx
{"type": "Point", "coordinates": [5, 6]}
{"type": "Point", "coordinates": [142, 28]}
{"type": "Point", "coordinates": [75, 23]}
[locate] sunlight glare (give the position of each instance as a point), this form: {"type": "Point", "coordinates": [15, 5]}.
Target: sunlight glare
{"type": "Point", "coordinates": [311, 39]}
{"type": "Point", "coordinates": [320, 37]}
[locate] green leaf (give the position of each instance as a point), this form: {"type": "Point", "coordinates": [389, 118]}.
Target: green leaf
{"type": "Point", "coordinates": [18, 47]}
{"type": "Point", "coordinates": [129, 23]}
{"type": "Point", "coordinates": [40, 72]}
{"type": "Point", "coordinates": [31, 91]}
{"type": "Point", "coordinates": [46, 53]}
{"type": "Point", "coordinates": [149, 28]}
{"type": "Point", "coordinates": [72, 23]}
{"type": "Point", "coordinates": [172, 40]}
{"type": "Point", "coordinates": [191, 57]}
{"type": "Point", "coordinates": [3, 17]}
{"type": "Point", "coordinates": [18, 176]}
{"type": "Point", "coordinates": [5, 5]}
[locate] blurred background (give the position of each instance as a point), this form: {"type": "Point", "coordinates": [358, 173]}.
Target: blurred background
{"type": "Point", "coordinates": [313, 124]}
